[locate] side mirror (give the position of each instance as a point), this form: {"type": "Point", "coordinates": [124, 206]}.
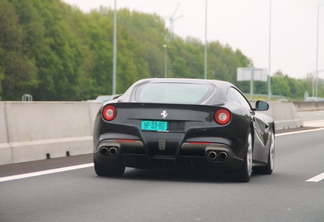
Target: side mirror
{"type": "Point", "coordinates": [261, 106]}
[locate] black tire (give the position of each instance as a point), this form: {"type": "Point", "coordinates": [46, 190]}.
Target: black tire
{"type": "Point", "coordinates": [268, 169]}
{"type": "Point", "coordinates": [108, 171]}
{"type": "Point", "coordinates": [245, 172]}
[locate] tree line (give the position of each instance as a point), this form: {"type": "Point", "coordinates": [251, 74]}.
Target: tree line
{"type": "Point", "coordinates": [56, 52]}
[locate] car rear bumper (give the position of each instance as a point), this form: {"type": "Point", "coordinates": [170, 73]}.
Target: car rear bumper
{"type": "Point", "coordinates": [131, 153]}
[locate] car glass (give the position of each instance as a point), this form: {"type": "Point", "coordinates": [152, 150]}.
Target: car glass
{"type": "Point", "coordinates": [236, 96]}
{"type": "Point", "coordinates": [232, 96]}
{"type": "Point", "coordinates": [186, 93]}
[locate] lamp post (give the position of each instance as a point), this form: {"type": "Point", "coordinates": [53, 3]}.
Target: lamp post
{"type": "Point", "coordinates": [269, 68]}
{"type": "Point", "coordinates": [205, 65]}
{"type": "Point", "coordinates": [165, 60]}
{"type": "Point", "coordinates": [318, 7]}
{"type": "Point", "coordinates": [313, 81]}
{"type": "Point", "coordinates": [115, 51]}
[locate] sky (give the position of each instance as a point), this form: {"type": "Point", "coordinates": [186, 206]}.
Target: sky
{"type": "Point", "coordinates": [290, 44]}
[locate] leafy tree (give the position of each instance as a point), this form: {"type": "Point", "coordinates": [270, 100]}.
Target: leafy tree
{"type": "Point", "coordinates": [17, 70]}
{"type": "Point", "coordinates": [57, 52]}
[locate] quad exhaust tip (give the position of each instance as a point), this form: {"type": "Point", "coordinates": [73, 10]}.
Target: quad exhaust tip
{"type": "Point", "coordinates": [113, 151]}
{"type": "Point", "coordinates": [223, 155]}
{"type": "Point", "coordinates": [108, 151]}
{"type": "Point", "coordinates": [212, 155]}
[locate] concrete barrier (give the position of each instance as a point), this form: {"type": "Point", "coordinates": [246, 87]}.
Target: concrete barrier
{"type": "Point", "coordinates": [38, 130]}
{"type": "Point", "coordinates": [309, 106]}
{"type": "Point", "coordinates": [284, 114]}
{"type": "Point", "coordinates": [5, 149]}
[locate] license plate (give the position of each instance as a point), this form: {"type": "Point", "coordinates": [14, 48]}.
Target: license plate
{"type": "Point", "coordinates": [154, 125]}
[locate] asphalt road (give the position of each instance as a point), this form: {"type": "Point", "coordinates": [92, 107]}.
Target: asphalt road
{"type": "Point", "coordinates": [312, 119]}
{"type": "Point", "coordinates": [312, 116]}
{"type": "Point", "coordinates": [290, 194]}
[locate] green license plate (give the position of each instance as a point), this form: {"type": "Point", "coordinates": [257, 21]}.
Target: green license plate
{"type": "Point", "coordinates": [154, 125]}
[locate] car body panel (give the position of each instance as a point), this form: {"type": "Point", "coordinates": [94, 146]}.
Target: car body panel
{"type": "Point", "coordinates": [192, 140]}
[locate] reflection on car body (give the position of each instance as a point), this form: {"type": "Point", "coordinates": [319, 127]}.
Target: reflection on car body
{"type": "Point", "coordinates": [105, 98]}
{"type": "Point", "coordinates": [184, 123]}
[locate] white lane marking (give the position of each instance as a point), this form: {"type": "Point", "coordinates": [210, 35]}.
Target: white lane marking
{"type": "Point", "coordinates": [303, 131]}
{"type": "Point", "coordinates": [317, 178]}
{"type": "Point", "coordinates": [314, 123]}
{"type": "Point", "coordinates": [45, 172]}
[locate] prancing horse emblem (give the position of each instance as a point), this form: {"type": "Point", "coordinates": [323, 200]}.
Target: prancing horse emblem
{"type": "Point", "coordinates": [164, 114]}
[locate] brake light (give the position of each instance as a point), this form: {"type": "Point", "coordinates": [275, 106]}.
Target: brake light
{"type": "Point", "coordinates": [199, 143]}
{"type": "Point", "coordinates": [125, 141]}
{"type": "Point", "coordinates": [222, 116]}
{"type": "Point", "coordinates": [109, 113]}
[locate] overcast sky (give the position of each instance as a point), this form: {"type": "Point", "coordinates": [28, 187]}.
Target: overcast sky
{"type": "Point", "coordinates": [244, 25]}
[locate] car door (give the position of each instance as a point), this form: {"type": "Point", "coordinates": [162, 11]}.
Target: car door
{"type": "Point", "coordinates": [260, 128]}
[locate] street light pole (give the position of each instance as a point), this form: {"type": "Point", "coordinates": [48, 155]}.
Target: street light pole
{"type": "Point", "coordinates": [165, 61]}
{"type": "Point", "coordinates": [269, 68]}
{"type": "Point", "coordinates": [205, 65]}
{"type": "Point", "coordinates": [115, 51]}
{"type": "Point", "coordinates": [313, 81]}
{"type": "Point", "coordinates": [318, 7]}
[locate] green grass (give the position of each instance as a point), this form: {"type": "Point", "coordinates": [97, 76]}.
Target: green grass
{"type": "Point", "coordinates": [273, 98]}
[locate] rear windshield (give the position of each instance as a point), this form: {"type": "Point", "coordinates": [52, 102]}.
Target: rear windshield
{"type": "Point", "coordinates": [187, 93]}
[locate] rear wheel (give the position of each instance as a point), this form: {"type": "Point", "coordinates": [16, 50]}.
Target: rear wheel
{"type": "Point", "coordinates": [271, 158]}
{"type": "Point", "coordinates": [245, 172]}
{"type": "Point", "coordinates": [108, 171]}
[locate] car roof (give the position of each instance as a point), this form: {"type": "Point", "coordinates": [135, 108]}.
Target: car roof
{"type": "Point", "coordinates": [186, 80]}
{"type": "Point", "coordinates": [218, 98]}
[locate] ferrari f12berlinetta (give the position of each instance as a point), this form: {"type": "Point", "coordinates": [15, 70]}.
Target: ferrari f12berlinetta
{"type": "Point", "coordinates": [184, 123]}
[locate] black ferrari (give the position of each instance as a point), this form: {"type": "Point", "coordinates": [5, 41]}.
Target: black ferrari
{"type": "Point", "coordinates": [184, 123]}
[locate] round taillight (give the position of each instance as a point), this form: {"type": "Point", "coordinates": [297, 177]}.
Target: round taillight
{"type": "Point", "coordinates": [109, 113]}
{"type": "Point", "coordinates": [222, 116]}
